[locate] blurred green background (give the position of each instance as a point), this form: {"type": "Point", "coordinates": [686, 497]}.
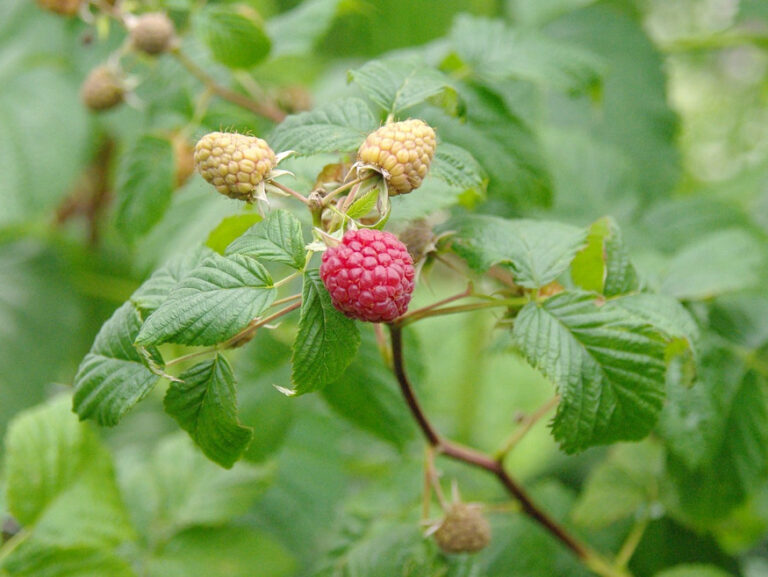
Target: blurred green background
{"type": "Point", "coordinates": [673, 142]}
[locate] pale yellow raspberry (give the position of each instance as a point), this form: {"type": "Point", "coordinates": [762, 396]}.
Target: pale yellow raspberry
{"type": "Point", "coordinates": [234, 163]}
{"type": "Point", "coordinates": [152, 33]}
{"type": "Point", "coordinates": [403, 152]}
{"type": "Point", "coordinates": [463, 530]}
{"type": "Point", "coordinates": [102, 89]}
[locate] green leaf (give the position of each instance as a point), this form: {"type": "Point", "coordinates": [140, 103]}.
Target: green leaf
{"type": "Point", "coordinates": [234, 34]}
{"type": "Point", "coordinates": [54, 466]}
{"type": "Point", "coordinates": [33, 98]}
{"type": "Point", "coordinates": [337, 127]}
{"type": "Point", "coordinates": [631, 113]}
{"type": "Point", "coordinates": [230, 228]}
{"type": "Point", "coordinates": [603, 266]}
{"type": "Point", "coordinates": [212, 303]}
{"type": "Point", "coordinates": [457, 168]}
{"type": "Point", "coordinates": [496, 52]}
{"type": "Point", "coordinates": [155, 290]}
{"type": "Point", "coordinates": [204, 404]}
{"type": "Point", "coordinates": [501, 141]}
{"type": "Point", "coordinates": [113, 376]}
{"type": "Point", "coordinates": [608, 366]}
{"type": "Point", "coordinates": [622, 486]}
{"type": "Point", "coordinates": [694, 570]}
{"type": "Point", "coordinates": [327, 341]}
{"type": "Point", "coordinates": [536, 252]}
{"type": "Point", "coordinates": [145, 182]}
{"type": "Point", "coordinates": [367, 394]}
{"type": "Point", "coordinates": [719, 263]}
{"type": "Point", "coordinates": [36, 559]}
{"type": "Point", "coordinates": [278, 238]}
{"type": "Point", "coordinates": [535, 12]}
{"type": "Point", "coordinates": [740, 464]}
{"type": "Point", "coordinates": [396, 84]}
{"type": "Point", "coordinates": [178, 487]}
{"type": "Point", "coordinates": [224, 552]}
{"type": "Point", "coordinates": [298, 30]}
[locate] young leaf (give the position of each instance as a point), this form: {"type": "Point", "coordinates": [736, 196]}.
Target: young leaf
{"type": "Point", "coordinates": [204, 404]}
{"type": "Point", "coordinates": [230, 228]}
{"type": "Point", "coordinates": [153, 292]}
{"type": "Point", "coordinates": [722, 262]}
{"type": "Point", "coordinates": [145, 182]}
{"type": "Point", "coordinates": [603, 266]}
{"type": "Point", "coordinates": [457, 167]}
{"type": "Point", "coordinates": [495, 52]}
{"type": "Point", "coordinates": [296, 31]}
{"type": "Point", "coordinates": [396, 84]}
{"type": "Point", "coordinates": [234, 35]}
{"type": "Point", "coordinates": [536, 252]}
{"type": "Point", "coordinates": [113, 376]}
{"type": "Point", "coordinates": [608, 366]}
{"type": "Point", "coordinates": [277, 239]}
{"type": "Point", "coordinates": [327, 341]}
{"type": "Point", "coordinates": [337, 127]}
{"type": "Point", "coordinates": [54, 466]}
{"type": "Point", "coordinates": [212, 303]}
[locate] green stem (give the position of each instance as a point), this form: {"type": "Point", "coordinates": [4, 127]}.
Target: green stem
{"type": "Point", "coordinates": [631, 542]}
{"type": "Point", "coordinates": [419, 314]}
{"type": "Point", "coordinates": [343, 188]}
{"type": "Point", "coordinates": [13, 543]}
{"type": "Point", "coordinates": [526, 425]}
{"type": "Point", "coordinates": [295, 194]}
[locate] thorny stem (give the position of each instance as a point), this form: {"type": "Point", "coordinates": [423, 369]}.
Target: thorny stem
{"type": "Point", "coordinates": [288, 190]}
{"type": "Point", "coordinates": [470, 456]}
{"type": "Point", "coordinates": [525, 425]}
{"type": "Point", "coordinates": [264, 109]}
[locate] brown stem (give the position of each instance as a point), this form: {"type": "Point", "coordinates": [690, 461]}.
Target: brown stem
{"type": "Point", "coordinates": [264, 109]}
{"type": "Point", "coordinates": [487, 463]}
{"type": "Point", "coordinates": [290, 191]}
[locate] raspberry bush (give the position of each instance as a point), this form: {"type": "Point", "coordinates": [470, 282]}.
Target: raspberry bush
{"type": "Point", "coordinates": [258, 320]}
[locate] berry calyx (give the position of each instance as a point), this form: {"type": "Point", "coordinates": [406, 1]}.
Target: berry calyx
{"type": "Point", "coordinates": [369, 275]}
{"type": "Point", "coordinates": [63, 7]}
{"type": "Point", "coordinates": [152, 33]}
{"type": "Point", "coordinates": [234, 163]}
{"type": "Point", "coordinates": [402, 152]}
{"type": "Point", "coordinates": [464, 529]}
{"type": "Point", "coordinates": [102, 89]}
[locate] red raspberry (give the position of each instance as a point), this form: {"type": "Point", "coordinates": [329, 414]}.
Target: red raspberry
{"type": "Point", "coordinates": [369, 275]}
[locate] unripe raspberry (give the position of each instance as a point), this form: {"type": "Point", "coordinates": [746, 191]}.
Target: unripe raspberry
{"type": "Point", "coordinates": [403, 151]}
{"type": "Point", "coordinates": [185, 159]}
{"type": "Point", "coordinates": [152, 33]}
{"type": "Point", "coordinates": [63, 7]}
{"type": "Point", "coordinates": [463, 530]}
{"type": "Point", "coordinates": [369, 275]}
{"type": "Point", "coordinates": [234, 163]}
{"type": "Point", "coordinates": [103, 89]}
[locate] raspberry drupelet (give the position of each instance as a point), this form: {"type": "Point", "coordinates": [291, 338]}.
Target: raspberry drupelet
{"type": "Point", "coordinates": [369, 275]}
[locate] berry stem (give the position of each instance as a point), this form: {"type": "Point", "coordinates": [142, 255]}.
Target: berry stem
{"type": "Point", "coordinates": [264, 109]}
{"type": "Point", "coordinates": [257, 323]}
{"type": "Point", "coordinates": [591, 559]}
{"type": "Point", "coordinates": [290, 191]}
